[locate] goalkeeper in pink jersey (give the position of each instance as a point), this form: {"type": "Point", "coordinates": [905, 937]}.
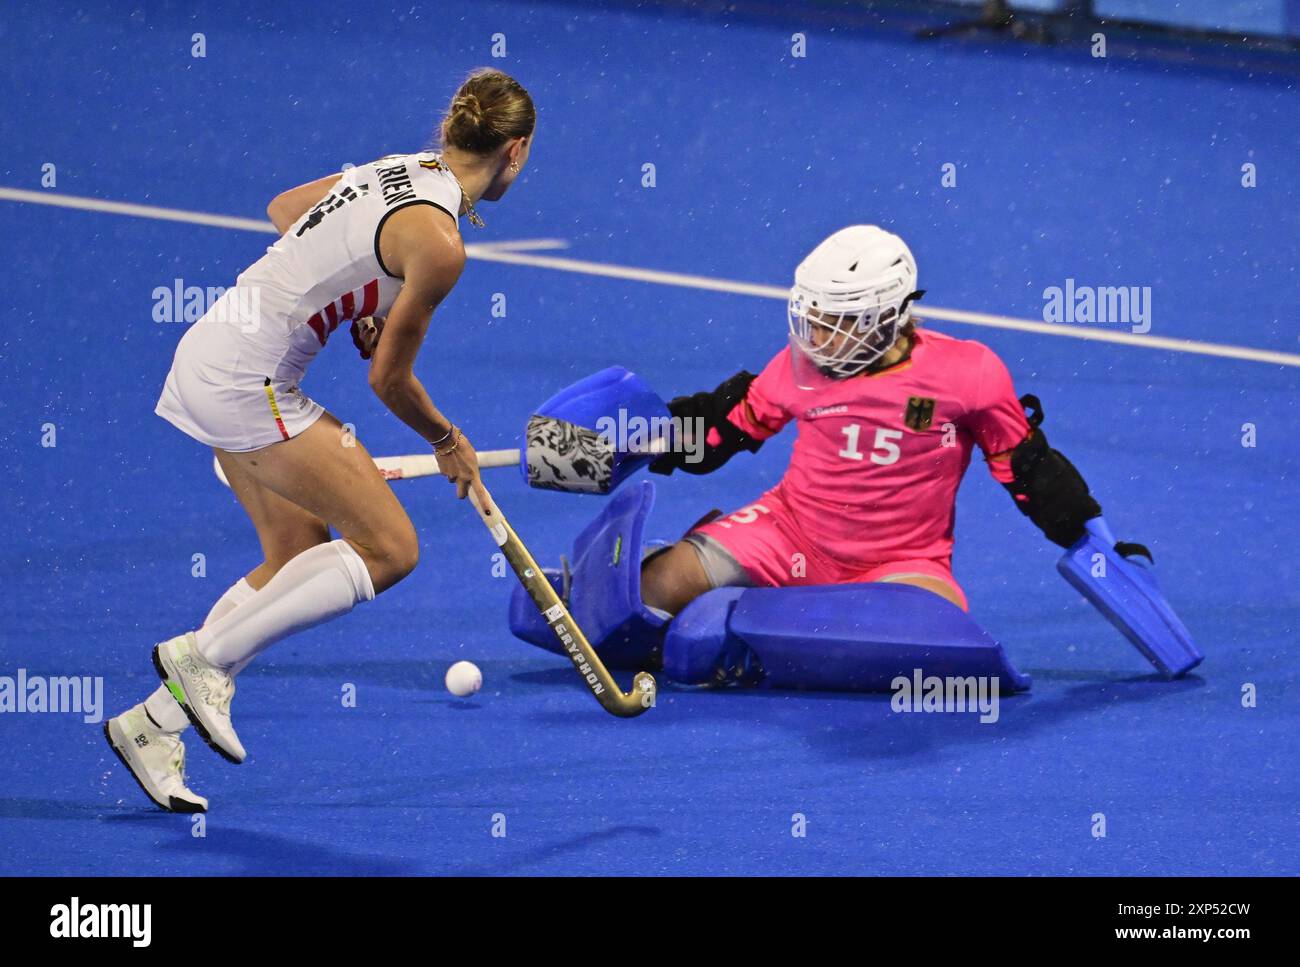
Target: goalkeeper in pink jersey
{"type": "Point", "coordinates": [832, 578]}
{"type": "Point", "coordinates": [888, 414]}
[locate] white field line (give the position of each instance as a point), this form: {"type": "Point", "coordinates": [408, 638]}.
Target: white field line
{"type": "Point", "coordinates": [137, 211]}
{"type": "Point", "coordinates": [220, 221]}
{"type": "Point", "coordinates": [926, 311]}
{"type": "Point", "coordinates": [517, 253]}
{"type": "Point", "coordinates": [480, 249]}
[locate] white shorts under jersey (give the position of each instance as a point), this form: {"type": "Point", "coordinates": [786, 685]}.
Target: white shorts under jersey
{"type": "Point", "coordinates": [234, 381]}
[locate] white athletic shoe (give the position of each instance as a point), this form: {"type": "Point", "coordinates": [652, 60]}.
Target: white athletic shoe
{"type": "Point", "coordinates": [155, 758]}
{"type": "Point", "coordinates": [203, 690]}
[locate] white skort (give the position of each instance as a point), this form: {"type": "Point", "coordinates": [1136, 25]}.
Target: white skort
{"type": "Point", "coordinates": [218, 394]}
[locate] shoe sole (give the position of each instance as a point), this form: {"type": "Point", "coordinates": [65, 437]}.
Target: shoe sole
{"type": "Point", "coordinates": [173, 805]}
{"type": "Point", "coordinates": [189, 712]}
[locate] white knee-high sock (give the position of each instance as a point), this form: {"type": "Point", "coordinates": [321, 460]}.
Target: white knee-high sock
{"type": "Point", "coordinates": [162, 708]}
{"type": "Point", "coordinates": [235, 595]}
{"type": "Point", "coordinates": [321, 583]}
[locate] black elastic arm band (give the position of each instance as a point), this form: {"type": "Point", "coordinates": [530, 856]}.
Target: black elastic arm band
{"type": "Point", "coordinates": [1046, 486]}
{"type": "Point", "coordinates": [708, 411]}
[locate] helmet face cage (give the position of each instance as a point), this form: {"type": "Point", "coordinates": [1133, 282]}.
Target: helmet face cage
{"type": "Point", "coordinates": [855, 336]}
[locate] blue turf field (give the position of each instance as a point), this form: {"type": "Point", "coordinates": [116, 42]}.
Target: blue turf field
{"type": "Point", "coordinates": [1111, 173]}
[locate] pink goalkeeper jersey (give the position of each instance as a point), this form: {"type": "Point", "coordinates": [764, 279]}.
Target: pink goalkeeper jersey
{"type": "Point", "coordinates": [878, 459]}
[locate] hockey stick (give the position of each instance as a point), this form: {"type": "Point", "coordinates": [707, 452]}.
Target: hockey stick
{"type": "Point", "coordinates": [416, 464]}
{"type": "Point", "coordinates": [590, 667]}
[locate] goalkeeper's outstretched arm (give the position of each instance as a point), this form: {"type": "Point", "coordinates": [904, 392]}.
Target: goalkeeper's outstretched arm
{"type": "Point", "coordinates": [715, 413]}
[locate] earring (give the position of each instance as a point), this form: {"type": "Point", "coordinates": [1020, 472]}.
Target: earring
{"type": "Point", "coordinates": [514, 167]}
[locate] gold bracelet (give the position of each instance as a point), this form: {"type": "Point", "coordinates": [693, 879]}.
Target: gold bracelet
{"type": "Point", "coordinates": [451, 428]}
{"type": "Point", "coordinates": [451, 449]}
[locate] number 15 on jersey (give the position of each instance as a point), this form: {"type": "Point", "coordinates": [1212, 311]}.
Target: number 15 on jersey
{"type": "Point", "coordinates": [884, 450]}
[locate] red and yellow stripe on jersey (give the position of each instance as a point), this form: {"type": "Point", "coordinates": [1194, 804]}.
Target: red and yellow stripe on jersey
{"type": "Point", "coordinates": [275, 408]}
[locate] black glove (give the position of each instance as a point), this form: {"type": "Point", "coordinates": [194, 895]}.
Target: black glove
{"type": "Point", "coordinates": [707, 411]}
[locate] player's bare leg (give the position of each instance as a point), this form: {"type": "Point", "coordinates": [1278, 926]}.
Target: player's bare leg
{"type": "Point", "coordinates": [283, 528]}
{"type": "Point", "coordinates": [330, 478]}
{"type": "Point", "coordinates": [672, 579]}
{"type": "Point", "coordinates": [324, 476]}
{"type": "Point", "coordinates": [933, 584]}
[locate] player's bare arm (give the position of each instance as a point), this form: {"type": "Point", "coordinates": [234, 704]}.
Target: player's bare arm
{"type": "Point", "coordinates": [420, 244]}
{"type": "Point", "coordinates": [289, 206]}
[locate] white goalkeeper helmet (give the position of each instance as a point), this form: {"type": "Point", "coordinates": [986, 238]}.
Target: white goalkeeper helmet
{"type": "Point", "coordinates": [851, 297]}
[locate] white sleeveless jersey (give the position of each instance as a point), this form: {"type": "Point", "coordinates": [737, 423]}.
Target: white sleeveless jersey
{"type": "Point", "coordinates": [326, 269]}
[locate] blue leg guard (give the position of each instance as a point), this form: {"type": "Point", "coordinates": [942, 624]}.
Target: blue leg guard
{"type": "Point", "coordinates": [846, 637]}
{"type": "Point", "coordinates": [604, 587]}
{"type": "Point", "coordinates": [593, 435]}
{"type": "Point", "coordinates": [527, 623]}
{"type": "Point", "coordinates": [1127, 595]}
